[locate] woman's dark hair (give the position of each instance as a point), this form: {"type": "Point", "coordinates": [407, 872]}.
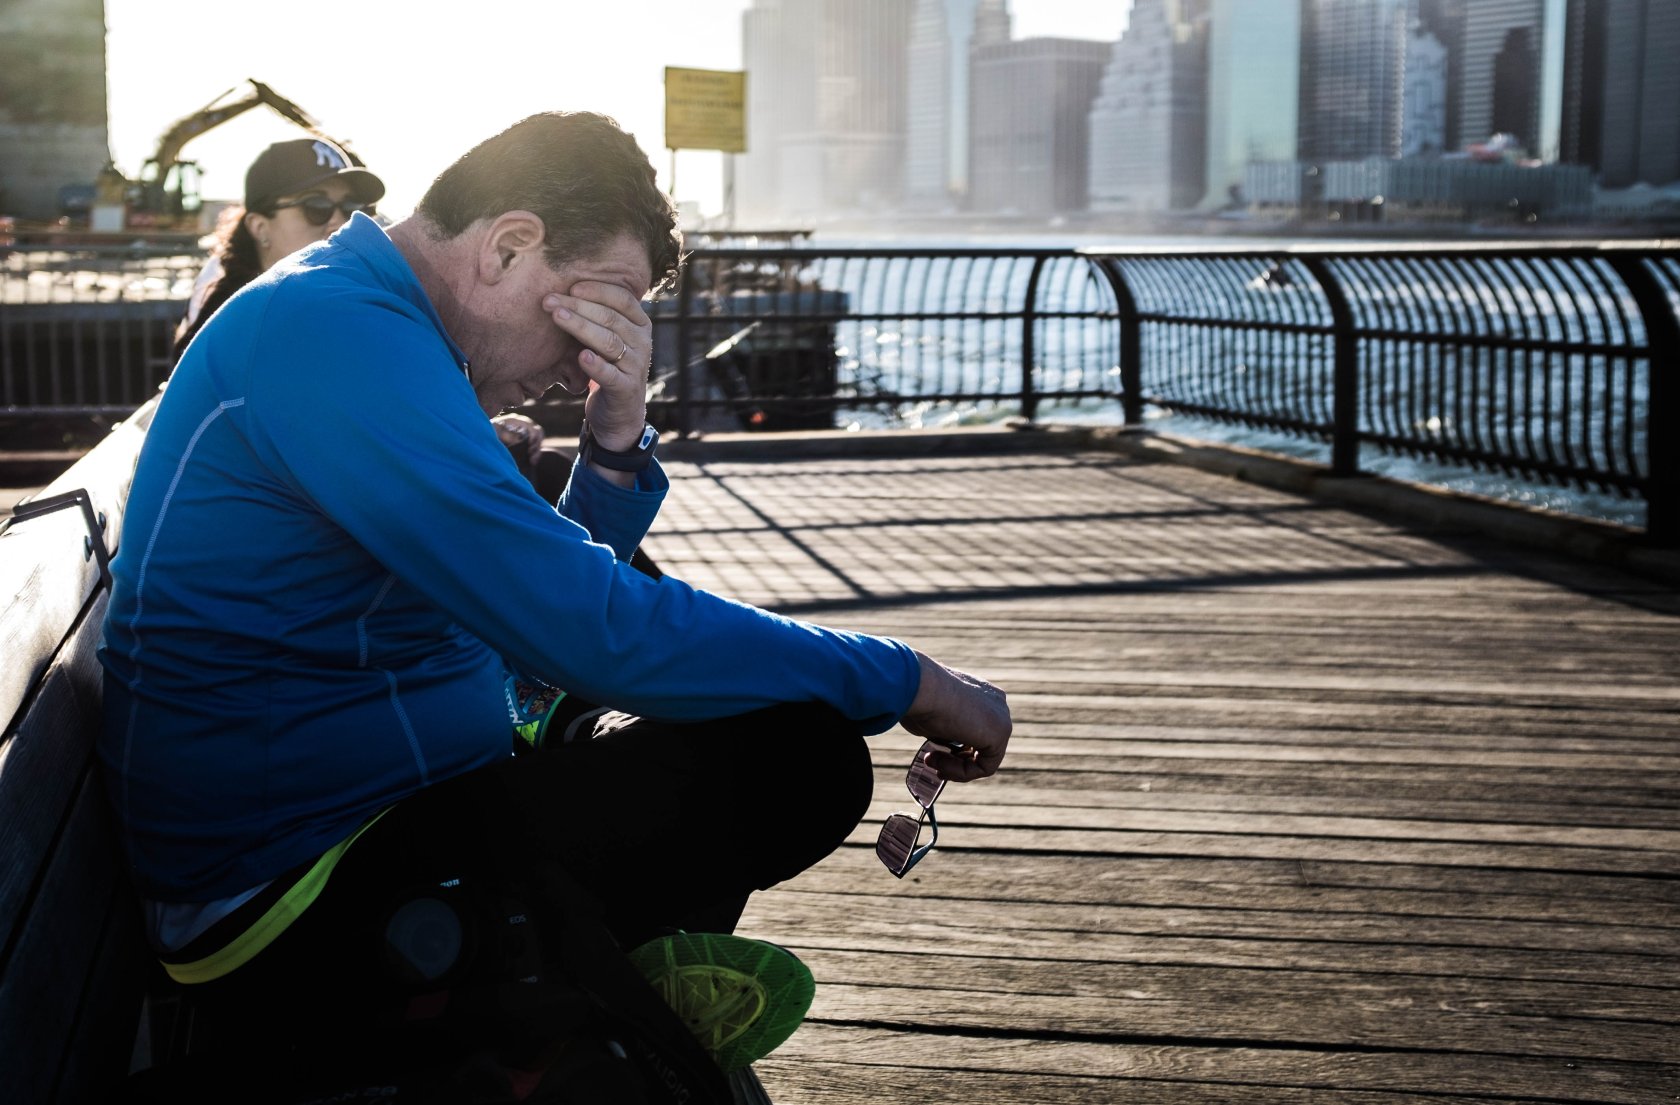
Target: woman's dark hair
{"type": "Point", "coordinates": [577, 171]}
{"type": "Point", "coordinates": [235, 250]}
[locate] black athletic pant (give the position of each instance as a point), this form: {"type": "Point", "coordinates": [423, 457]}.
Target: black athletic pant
{"type": "Point", "coordinates": [667, 826]}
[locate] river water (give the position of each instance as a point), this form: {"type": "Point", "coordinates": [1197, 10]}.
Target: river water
{"type": "Point", "coordinates": [884, 351]}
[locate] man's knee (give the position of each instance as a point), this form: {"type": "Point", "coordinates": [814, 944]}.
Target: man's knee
{"type": "Point", "coordinates": [827, 772]}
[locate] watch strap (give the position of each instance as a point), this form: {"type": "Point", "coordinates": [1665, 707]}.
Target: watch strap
{"type": "Point", "coordinates": [634, 459]}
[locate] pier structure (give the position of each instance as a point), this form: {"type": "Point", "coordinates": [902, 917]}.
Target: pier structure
{"type": "Point", "coordinates": [1324, 789]}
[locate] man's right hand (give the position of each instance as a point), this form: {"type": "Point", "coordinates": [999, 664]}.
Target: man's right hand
{"type": "Point", "coordinates": [954, 707]}
{"type": "Point", "coordinates": [616, 336]}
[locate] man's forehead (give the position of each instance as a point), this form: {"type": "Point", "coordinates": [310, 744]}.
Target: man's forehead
{"type": "Point", "coordinates": [622, 261]}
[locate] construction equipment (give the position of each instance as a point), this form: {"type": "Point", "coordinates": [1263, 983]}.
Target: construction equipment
{"type": "Point", "coordinates": [165, 196]}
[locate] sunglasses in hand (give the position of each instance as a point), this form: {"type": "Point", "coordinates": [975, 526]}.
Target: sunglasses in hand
{"type": "Point", "coordinates": [318, 209]}
{"type": "Point", "coordinates": [896, 846]}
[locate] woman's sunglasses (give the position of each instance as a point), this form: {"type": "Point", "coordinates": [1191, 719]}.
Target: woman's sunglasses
{"type": "Point", "coordinates": [318, 209]}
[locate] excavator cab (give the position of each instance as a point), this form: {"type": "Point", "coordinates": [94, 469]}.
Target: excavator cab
{"type": "Point", "coordinates": [167, 193]}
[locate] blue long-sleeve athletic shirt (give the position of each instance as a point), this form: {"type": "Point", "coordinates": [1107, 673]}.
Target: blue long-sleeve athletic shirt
{"type": "Point", "coordinates": [328, 561]}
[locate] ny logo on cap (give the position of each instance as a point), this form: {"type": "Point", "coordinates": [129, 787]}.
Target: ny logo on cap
{"type": "Point", "coordinates": [326, 155]}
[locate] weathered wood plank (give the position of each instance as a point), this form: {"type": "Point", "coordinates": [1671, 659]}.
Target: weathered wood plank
{"type": "Point", "coordinates": [1400, 815]}
{"type": "Point", "coordinates": [1157, 1071]}
{"type": "Point", "coordinates": [45, 575]}
{"type": "Point", "coordinates": [1257, 844]}
{"type": "Point", "coordinates": [1258, 797]}
{"type": "Point", "coordinates": [44, 764]}
{"type": "Point", "coordinates": [1060, 928]}
{"type": "Point", "coordinates": [1297, 951]}
{"type": "Point", "coordinates": [44, 581]}
{"type": "Point", "coordinates": [1313, 1018]}
{"type": "Point", "coordinates": [47, 999]}
{"type": "Point", "coordinates": [973, 810]}
{"type": "Point", "coordinates": [1318, 888]}
{"type": "Point", "coordinates": [1228, 1000]}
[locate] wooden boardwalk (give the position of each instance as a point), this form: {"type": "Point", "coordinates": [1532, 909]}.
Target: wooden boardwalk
{"type": "Point", "coordinates": [1300, 807]}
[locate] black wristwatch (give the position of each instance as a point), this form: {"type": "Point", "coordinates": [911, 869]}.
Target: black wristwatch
{"type": "Point", "coordinates": [634, 459]}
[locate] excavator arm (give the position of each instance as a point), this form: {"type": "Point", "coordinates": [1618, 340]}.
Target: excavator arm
{"type": "Point", "coordinates": [220, 110]}
{"type": "Point", "coordinates": [156, 195]}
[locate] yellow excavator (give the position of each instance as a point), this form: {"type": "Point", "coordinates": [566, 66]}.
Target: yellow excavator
{"type": "Point", "coordinates": [165, 195]}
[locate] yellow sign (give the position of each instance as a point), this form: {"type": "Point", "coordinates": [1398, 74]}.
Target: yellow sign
{"type": "Point", "coordinates": [705, 109]}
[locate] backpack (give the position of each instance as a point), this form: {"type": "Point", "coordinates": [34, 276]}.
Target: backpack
{"type": "Point", "coordinates": [515, 991]}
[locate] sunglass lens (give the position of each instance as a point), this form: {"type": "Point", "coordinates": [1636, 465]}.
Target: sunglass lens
{"type": "Point", "coordinates": [318, 210]}
{"type": "Point", "coordinates": [897, 841]}
{"type": "Point", "coordinates": [924, 783]}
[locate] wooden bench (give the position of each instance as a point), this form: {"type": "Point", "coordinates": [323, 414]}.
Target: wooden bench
{"type": "Point", "coordinates": [73, 963]}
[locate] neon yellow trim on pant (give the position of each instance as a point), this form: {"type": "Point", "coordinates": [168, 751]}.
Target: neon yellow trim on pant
{"type": "Point", "coordinates": [267, 928]}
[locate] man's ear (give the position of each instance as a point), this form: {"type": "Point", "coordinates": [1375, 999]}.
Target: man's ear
{"type": "Point", "coordinates": [514, 237]}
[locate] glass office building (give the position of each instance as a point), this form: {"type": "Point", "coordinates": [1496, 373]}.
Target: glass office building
{"type": "Point", "coordinates": [826, 110]}
{"type": "Point", "coordinates": [1148, 126]}
{"type": "Point", "coordinates": [1254, 67]}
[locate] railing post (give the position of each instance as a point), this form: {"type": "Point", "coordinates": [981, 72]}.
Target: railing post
{"type": "Point", "coordinates": [1662, 414]}
{"type": "Point", "coordinates": [1131, 344]}
{"type": "Point", "coordinates": [1344, 372]}
{"type": "Point", "coordinates": [685, 300]}
{"type": "Point", "coordinates": [1029, 343]}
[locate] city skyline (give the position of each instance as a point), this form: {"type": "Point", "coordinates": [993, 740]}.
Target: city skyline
{"type": "Point", "coordinates": [1320, 110]}
{"type": "Point", "coordinates": [916, 108]}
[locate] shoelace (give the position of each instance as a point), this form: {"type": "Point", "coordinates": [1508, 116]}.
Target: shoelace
{"type": "Point", "coordinates": [717, 1003]}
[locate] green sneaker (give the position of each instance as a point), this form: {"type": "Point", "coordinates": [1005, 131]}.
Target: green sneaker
{"type": "Point", "coordinates": [742, 998]}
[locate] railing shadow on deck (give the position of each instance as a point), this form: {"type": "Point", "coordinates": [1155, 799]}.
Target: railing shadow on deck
{"type": "Point", "coordinates": [962, 524]}
{"type": "Point", "coordinates": [919, 536]}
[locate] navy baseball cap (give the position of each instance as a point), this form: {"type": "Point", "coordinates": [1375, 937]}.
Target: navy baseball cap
{"type": "Point", "coordinates": [300, 164]}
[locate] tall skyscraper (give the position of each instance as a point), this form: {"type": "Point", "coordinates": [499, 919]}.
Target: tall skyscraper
{"type": "Point", "coordinates": [1659, 107]}
{"type": "Point", "coordinates": [826, 109]}
{"type": "Point", "coordinates": [775, 99]}
{"type": "Point", "coordinates": [1029, 124]}
{"type": "Point", "coordinates": [1516, 87]}
{"type": "Point", "coordinates": [53, 127]}
{"type": "Point", "coordinates": [1511, 74]}
{"type": "Point", "coordinates": [1581, 135]}
{"type": "Point", "coordinates": [1622, 90]}
{"type": "Point", "coordinates": [1149, 123]}
{"type": "Point", "coordinates": [1352, 78]}
{"type": "Point", "coordinates": [991, 23]}
{"type": "Point", "coordinates": [927, 152]}
{"type": "Point", "coordinates": [1423, 122]}
{"type": "Point", "coordinates": [1254, 68]}
{"type": "Point", "coordinates": [1443, 20]}
{"type": "Point", "coordinates": [942, 34]}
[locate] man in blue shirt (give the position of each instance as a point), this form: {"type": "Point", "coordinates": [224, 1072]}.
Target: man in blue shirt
{"type": "Point", "coordinates": [333, 571]}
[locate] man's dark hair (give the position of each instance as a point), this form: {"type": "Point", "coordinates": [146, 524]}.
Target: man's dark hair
{"type": "Point", "coordinates": [577, 171]}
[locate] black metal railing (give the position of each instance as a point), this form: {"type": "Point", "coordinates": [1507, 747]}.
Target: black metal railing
{"type": "Point", "coordinates": [88, 330]}
{"type": "Point", "coordinates": [841, 337]}
{"type": "Point", "coordinates": [1549, 364]}
{"type": "Point", "coordinates": [1552, 364]}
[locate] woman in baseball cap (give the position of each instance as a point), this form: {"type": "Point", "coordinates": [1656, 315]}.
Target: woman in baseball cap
{"type": "Point", "coordinates": [296, 192]}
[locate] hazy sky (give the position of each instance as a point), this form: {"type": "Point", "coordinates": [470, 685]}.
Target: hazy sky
{"type": "Point", "coordinates": [411, 93]}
